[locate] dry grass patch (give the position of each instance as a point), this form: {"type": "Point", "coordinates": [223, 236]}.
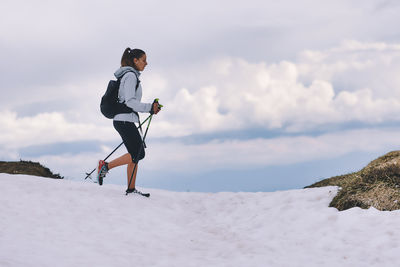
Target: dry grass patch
{"type": "Point", "coordinates": [377, 185]}
{"type": "Point", "coordinates": [28, 168]}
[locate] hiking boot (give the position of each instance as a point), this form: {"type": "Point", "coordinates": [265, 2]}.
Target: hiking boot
{"type": "Point", "coordinates": [102, 170]}
{"type": "Point", "coordinates": [134, 191]}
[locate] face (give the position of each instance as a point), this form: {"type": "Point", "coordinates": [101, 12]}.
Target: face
{"type": "Point", "coordinates": [140, 63]}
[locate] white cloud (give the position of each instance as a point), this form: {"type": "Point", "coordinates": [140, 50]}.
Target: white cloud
{"type": "Point", "coordinates": [232, 93]}
{"type": "Point", "coordinates": [355, 65]}
{"type": "Point", "coordinates": [46, 128]}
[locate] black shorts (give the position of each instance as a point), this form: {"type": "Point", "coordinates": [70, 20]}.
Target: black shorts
{"type": "Point", "coordinates": [132, 139]}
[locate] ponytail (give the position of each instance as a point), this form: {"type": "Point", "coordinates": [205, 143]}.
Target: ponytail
{"type": "Point", "coordinates": [129, 55]}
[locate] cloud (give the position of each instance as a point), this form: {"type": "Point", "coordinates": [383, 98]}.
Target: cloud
{"type": "Point", "coordinates": [232, 93]}
{"type": "Point", "coordinates": [233, 154]}
{"type": "Point", "coordinates": [44, 128]}
{"type": "Point", "coordinates": [354, 65]}
{"type": "Point", "coordinates": [260, 152]}
{"type": "Point", "coordinates": [228, 94]}
{"type": "Point", "coordinates": [55, 42]}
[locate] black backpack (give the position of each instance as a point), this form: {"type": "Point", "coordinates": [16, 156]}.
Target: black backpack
{"type": "Point", "coordinates": [109, 105]}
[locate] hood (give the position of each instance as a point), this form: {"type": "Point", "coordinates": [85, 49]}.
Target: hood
{"type": "Point", "coordinates": [121, 71]}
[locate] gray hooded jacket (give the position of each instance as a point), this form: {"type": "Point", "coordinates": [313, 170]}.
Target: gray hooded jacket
{"type": "Point", "coordinates": [129, 95]}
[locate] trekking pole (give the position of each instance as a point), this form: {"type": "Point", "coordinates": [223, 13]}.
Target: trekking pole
{"type": "Point", "coordinates": [136, 160]}
{"type": "Point", "coordinates": [88, 174]}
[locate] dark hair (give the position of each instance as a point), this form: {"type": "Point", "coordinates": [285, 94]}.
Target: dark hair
{"type": "Point", "coordinates": [129, 55]}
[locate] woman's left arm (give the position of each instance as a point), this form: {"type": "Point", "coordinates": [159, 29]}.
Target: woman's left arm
{"type": "Point", "coordinates": [131, 95]}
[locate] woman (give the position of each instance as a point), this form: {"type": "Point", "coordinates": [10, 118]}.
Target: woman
{"type": "Point", "coordinates": [133, 61]}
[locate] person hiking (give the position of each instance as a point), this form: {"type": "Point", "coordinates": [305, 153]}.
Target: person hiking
{"type": "Point", "coordinates": [133, 62]}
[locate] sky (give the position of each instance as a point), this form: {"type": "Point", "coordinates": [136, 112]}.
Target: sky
{"type": "Point", "coordinates": [257, 95]}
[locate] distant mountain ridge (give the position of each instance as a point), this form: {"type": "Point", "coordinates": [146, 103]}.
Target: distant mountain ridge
{"type": "Point", "coordinates": [28, 168]}
{"type": "Point", "coordinates": [377, 185]}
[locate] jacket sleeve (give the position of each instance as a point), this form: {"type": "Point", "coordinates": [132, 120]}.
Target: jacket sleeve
{"type": "Point", "coordinates": [132, 97]}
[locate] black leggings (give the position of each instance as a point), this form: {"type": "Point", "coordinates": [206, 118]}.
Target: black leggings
{"type": "Point", "coordinates": [132, 139]}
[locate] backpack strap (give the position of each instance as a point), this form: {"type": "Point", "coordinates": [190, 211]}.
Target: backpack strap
{"type": "Point", "coordinates": [137, 81]}
{"type": "Point", "coordinates": [137, 78]}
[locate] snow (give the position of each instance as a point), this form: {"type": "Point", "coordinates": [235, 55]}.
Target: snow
{"type": "Point", "coordinates": [46, 222]}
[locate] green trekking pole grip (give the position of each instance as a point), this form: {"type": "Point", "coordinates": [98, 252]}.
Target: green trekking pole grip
{"type": "Point", "coordinates": [156, 100]}
{"type": "Point", "coordinates": [159, 106]}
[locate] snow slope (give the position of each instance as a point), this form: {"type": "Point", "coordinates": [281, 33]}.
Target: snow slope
{"type": "Point", "coordinates": [46, 222]}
